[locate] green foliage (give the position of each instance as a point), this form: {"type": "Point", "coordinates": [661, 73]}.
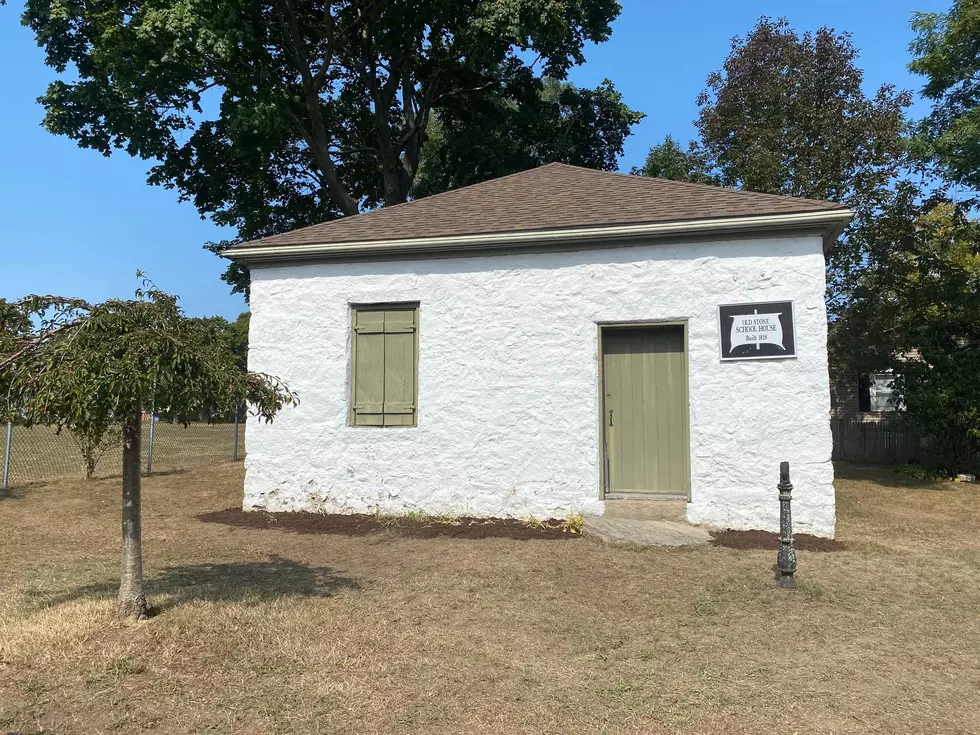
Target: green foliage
{"type": "Point", "coordinates": [947, 51]}
{"type": "Point", "coordinates": [529, 122]}
{"type": "Point", "coordinates": [272, 114]}
{"type": "Point", "coordinates": [786, 114]}
{"type": "Point", "coordinates": [235, 334]}
{"type": "Point", "coordinates": [920, 473]}
{"type": "Point", "coordinates": [88, 367]}
{"type": "Point", "coordinates": [668, 160]}
{"type": "Point", "coordinates": [94, 439]}
{"type": "Point", "coordinates": [915, 308]}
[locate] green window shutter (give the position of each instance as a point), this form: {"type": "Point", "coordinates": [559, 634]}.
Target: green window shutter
{"type": "Point", "coordinates": [385, 365]}
{"type": "Point", "coordinates": [369, 375]}
{"type": "Point", "coordinates": [399, 368]}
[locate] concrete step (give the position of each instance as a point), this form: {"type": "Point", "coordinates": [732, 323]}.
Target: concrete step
{"type": "Point", "coordinates": [648, 509]}
{"type": "Point", "coordinates": [645, 533]}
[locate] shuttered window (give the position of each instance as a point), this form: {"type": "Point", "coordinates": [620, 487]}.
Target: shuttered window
{"type": "Point", "coordinates": [385, 365]}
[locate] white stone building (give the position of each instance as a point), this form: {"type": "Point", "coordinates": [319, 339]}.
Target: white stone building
{"type": "Point", "coordinates": [545, 343]}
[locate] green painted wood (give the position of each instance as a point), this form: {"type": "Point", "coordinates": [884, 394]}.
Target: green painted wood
{"type": "Point", "coordinates": [399, 369]}
{"type": "Point", "coordinates": [369, 346]}
{"type": "Point", "coordinates": [385, 364]}
{"type": "Point", "coordinates": [645, 417]}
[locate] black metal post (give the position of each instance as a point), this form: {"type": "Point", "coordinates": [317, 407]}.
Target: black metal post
{"type": "Point", "coordinates": [786, 558]}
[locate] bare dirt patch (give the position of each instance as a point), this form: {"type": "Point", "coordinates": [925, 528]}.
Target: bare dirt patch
{"type": "Point", "coordinates": [767, 540]}
{"type": "Point", "coordinates": [360, 524]}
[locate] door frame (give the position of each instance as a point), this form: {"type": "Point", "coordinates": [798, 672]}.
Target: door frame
{"type": "Point", "coordinates": [601, 327]}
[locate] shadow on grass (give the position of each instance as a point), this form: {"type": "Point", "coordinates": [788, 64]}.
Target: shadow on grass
{"type": "Point", "coordinates": [249, 583]}
{"type": "Point", "coordinates": [13, 492]}
{"type": "Point", "coordinates": [885, 475]}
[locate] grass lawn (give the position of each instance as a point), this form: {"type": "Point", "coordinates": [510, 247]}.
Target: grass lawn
{"type": "Point", "coordinates": [265, 631]}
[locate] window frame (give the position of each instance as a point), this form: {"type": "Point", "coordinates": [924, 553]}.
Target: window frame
{"type": "Point", "coordinates": [354, 308]}
{"type": "Point", "coordinates": [878, 379]}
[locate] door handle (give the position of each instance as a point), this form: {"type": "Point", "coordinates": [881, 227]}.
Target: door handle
{"type": "Point", "coordinates": [610, 417]}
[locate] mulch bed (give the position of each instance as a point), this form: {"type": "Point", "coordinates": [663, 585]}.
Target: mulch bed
{"type": "Point", "coordinates": [362, 525]}
{"type": "Point", "coordinates": [770, 541]}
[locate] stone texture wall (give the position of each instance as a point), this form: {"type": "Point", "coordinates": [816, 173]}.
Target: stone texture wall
{"type": "Point", "coordinates": [508, 421]}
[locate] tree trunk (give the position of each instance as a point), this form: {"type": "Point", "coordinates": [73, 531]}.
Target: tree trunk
{"type": "Point", "coordinates": [132, 599]}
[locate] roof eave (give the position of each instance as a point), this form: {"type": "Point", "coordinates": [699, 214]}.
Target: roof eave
{"type": "Point", "coordinates": [830, 222]}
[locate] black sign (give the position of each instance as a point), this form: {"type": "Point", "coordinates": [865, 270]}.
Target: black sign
{"type": "Point", "coordinates": [757, 331]}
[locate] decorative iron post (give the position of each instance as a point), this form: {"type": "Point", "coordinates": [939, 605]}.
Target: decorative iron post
{"type": "Point", "coordinates": [786, 558]}
{"type": "Point", "coordinates": [6, 454]}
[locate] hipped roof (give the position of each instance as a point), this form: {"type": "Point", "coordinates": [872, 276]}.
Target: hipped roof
{"type": "Point", "coordinates": [554, 197]}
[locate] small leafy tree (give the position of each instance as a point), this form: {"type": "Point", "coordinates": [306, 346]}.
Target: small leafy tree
{"type": "Point", "coordinates": [73, 364]}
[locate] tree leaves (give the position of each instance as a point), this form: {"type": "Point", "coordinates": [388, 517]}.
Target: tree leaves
{"type": "Point", "coordinates": [786, 115]}
{"type": "Point", "coordinates": [947, 51]}
{"type": "Point", "coordinates": [276, 114]}
{"type": "Point", "coordinates": [914, 308]}
{"type": "Point", "coordinates": [669, 161]}
{"type": "Point", "coordinates": [88, 366]}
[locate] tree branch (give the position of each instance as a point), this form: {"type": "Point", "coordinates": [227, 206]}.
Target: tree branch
{"type": "Point", "coordinates": [318, 140]}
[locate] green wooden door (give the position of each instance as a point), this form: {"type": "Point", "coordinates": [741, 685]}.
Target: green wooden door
{"type": "Point", "coordinates": [645, 410]}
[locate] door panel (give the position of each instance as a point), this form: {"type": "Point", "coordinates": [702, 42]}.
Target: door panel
{"type": "Point", "coordinates": [645, 416]}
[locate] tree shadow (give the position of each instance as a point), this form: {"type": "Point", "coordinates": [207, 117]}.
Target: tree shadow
{"type": "Point", "coordinates": [166, 473]}
{"type": "Point", "coordinates": [895, 476]}
{"type": "Point", "coordinates": [250, 583]}
{"type": "Point", "coordinates": [13, 492]}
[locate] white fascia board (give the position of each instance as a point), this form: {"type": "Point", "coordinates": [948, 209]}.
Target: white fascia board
{"type": "Point", "coordinates": [831, 222]}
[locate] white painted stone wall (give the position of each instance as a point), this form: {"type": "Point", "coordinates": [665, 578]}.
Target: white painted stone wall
{"type": "Point", "coordinates": [508, 383]}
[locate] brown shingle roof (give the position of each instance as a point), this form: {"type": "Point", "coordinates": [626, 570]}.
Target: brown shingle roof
{"type": "Point", "coordinates": [555, 196]}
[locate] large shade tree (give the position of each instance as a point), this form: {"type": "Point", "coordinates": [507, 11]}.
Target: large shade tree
{"type": "Point", "coordinates": [947, 53]}
{"type": "Point", "coordinates": [273, 114]}
{"type": "Point", "coordinates": [786, 114]}
{"type": "Point", "coordinates": [915, 310]}
{"type": "Point", "coordinates": [69, 363]}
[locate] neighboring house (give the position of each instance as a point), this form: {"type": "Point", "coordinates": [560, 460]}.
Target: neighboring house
{"type": "Point", "coordinates": [867, 398]}
{"type": "Point", "coordinates": [541, 344]}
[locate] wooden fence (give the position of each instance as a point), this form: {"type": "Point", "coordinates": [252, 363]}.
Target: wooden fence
{"type": "Point", "coordinates": [877, 443]}
{"type": "Point", "coordinates": [883, 443]}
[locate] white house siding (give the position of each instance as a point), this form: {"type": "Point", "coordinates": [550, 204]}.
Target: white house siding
{"type": "Point", "coordinates": [508, 382]}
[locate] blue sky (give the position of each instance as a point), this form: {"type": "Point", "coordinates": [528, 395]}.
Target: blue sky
{"type": "Point", "coordinates": [75, 223]}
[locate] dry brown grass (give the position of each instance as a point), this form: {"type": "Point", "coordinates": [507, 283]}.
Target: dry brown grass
{"type": "Point", "coordinates": [262, 631]}
{"type": "Point", "coordinates": [44, 453]}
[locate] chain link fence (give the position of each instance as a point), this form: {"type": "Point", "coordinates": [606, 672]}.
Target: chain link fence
{"type": "Point", "coordinates": [43, 453]}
